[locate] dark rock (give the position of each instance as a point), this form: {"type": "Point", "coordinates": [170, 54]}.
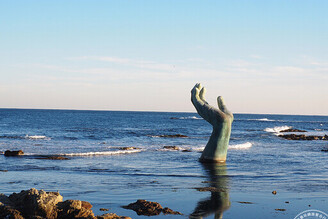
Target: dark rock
{"type": "Point", "coordinates": [175, 148]}
{"type": "Point", "coordinates": [75, 209]}
{"type": "Point", "coordinates": [274, 192]}
{"type": "Point", "coordinates": [303, 137]}
{"type": "Point", "coordinates": [170, 211]}
{"type": "Point", "coordinates": [246, 202]}
{"type": "Point", "coordinates": [280, 209]}
{"type": "Point", "coordinates": [293, 130]}
{"type": "Point", "coordinates": [287, 202]}
{"type": "Point", "coordinates": [324, 150]}
{"type": "Point", "coordinates": [185, 150]}
{"type": "Point", "coordinates": [128, 148]}
{"type": "Point", "coordinates": [173, 136]}
{"type": "Point", "coordinates": [112, 216]}
{"type": "Point", "coordinates": [104, 209]}
{"type": "Point", "coordinates": [210, 189]}
{"type": "Point", "coordinates": [174, 118]}
{"type": "Point", "coordinates": [143, 207]}
{"type": "Point", "coordinates": [13, 153]}
{"type": "Point", "coordinates": [9, 212]}
{"type": "Point", "coordinates": [52, 157]}
{"type": "Point", "coordinates": [3, 170]}
{"type": "Point", "coordinates": [36, 203]}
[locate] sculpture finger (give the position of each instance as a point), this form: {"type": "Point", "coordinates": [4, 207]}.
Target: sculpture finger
{"type": "Point", "coordinates": [222, 105]}
{"type": "Point", "coordinates": [202, 95]}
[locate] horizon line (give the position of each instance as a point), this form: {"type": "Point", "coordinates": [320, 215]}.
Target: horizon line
{"type": "Point", "coordinates": [154, 111]}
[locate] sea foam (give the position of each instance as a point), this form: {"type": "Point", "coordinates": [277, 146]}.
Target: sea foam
{"type": "Point", "coordinates": [99, 153]}
{"type": "Point", "coordinates": [277, 129]}
{"type": "Point", "coordinates": [243, 146]}
{"type": "Point", "coordinates": [36, 137]}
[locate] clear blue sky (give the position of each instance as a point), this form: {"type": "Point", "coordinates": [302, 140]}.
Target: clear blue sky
{"type": "Point", "coordinates": [261, 56]}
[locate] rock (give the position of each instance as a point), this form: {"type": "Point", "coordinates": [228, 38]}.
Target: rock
{"type": "Point", "coordinates": [173, 136]}
{"type": "Point", "coordinates": [3, 170]}
{"type": "Point", "coordinates": [185, 150]}
{"type": "Point", "coordinates": [9, 212]}
{"type": "Point", "coordinates": [128, 148]}
{"type": "Point", "coordinates": [293, 130]}
{"type": "Point", "coordinates": [52, 157]}
{"type": "Point", "coordinates": [274, 192]}
{"type": "Point", "coordinates": [324, 150]}
{"type": "Point", "coordinates": [210, 189]}
{"type": "Point", "coordinates": [75, 209]}
{"type": "Point", "coordinates": [143, 207]}
{"type": "Point", "coordinates": [174, 118]}
{"type": "Point", "coordinates": [112, 216]}
{"type": "Point", "coordinates": [303, 137]}
{"type": "Point", "coordinates": [13, 153]}
{"type": "Point", "coordinates": [280, 209]}
{"type": "Point", "coordinates": [246, 202]}
{"type": "Point", "coordinates": [36, 203]}
{"type": "Point", "coordinates": [175, 148]}
{"type": "Point", "coordinates": [104, 209]}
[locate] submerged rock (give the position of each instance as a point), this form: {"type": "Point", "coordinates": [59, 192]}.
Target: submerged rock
{"type": "Point", "coordinates": [210, 189]}
{"type": "Point", "coordinates": [128, 148]}
{"type": "Point", "coordinates": [51, 157]}
{"type": "Point", "coordinates": [175, 148]}
{"type": "Point", "coordinates": [173, 136]}
{"type": "Point", "coordinates": [13, 153]}
{"type": "Point", "coordinates": [143, 207]}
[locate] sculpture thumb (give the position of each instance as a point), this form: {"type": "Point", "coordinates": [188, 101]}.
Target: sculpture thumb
{"type": "Point", "coordinates": [221, 104]}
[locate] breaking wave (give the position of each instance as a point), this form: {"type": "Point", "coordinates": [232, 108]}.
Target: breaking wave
{"type": "Point", "coordinates": [277, 129]}
{"type": "Point", "coordinates": [188, 117]}
{"type": "Point", "coordinates": [265, 120]}
{"type": "Point", "coordinates": [35, 137]}
{"type": "Point", "coordinates": [243, 146]}
{"type": "Point", "coordinates": [99, 153]}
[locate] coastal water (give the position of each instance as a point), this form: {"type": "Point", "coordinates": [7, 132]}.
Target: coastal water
{"type": "Point", "coordinates": [101, 172]}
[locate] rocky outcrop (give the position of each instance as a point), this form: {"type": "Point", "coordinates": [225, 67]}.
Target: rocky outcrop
{"type": "Point", "coordinates": [9, 153]}
{"type": "Point", "coordinates": [143, 207]}
{"type": "Point", "coordinates": [293, 130]}
{"type": "Point", "coordinates": [39, 204]}
{"type": "Point", "coordinates": [303, 137]}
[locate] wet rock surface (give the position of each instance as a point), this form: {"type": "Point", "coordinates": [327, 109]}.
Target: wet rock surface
{"type": "Point", "coordinates": [293, 130]}
{"type": "Point", "coordinates": [173, 136]}
{"type": "Point", "coordinates": [143, 207]}
{"type": "Point", "coordinates": [9, 153]}
{"type": "Point", "coordinates": [175, 148]}
{"type": "Point", "coordinates": [51, 157]}
{"type": "Point", "coordinates": [304, 137]}
{"type": "Point", "coordinates": [210, 189]}
{"type": "Point", "coordinates": [39, 204]}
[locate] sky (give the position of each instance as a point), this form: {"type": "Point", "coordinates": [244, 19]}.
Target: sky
{"type": "Point", "coordinates": [267, 57]}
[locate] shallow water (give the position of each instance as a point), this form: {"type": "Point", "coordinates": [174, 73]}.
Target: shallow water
{"type": "Point", "coordinates": [99, 172]}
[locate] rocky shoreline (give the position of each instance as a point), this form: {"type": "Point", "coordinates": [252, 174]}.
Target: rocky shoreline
{"type": "Point", "coordinates": [39, 204]}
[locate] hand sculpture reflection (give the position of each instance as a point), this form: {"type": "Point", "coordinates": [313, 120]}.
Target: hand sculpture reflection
{"type": "Point", "coordinates": [219, 201]}
{"type": "Point", "coordinates": [220, 118]}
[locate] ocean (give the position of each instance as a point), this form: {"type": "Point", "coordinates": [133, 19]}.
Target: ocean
{"type": "Point", "coordinates": [101, 172]}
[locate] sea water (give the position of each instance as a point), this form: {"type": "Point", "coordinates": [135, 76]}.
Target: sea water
{"type": "Point", "coordinates": [99, 171]}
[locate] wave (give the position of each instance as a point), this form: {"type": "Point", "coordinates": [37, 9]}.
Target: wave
{"type": "Point", "coordinates": [265, 119]}
{"type": "Point", "coordinates": [188, 117]}
{"type": "Point", "coordinates": [35, 137]}
{"type": "Point", "coordinates": [99, 153]}
{"type": "Point", "coordinates": [242, 146]}
{"type": "Point", "coordinates": [246, 145]}
{"type": "Point", "coordinates": [277, 129]}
